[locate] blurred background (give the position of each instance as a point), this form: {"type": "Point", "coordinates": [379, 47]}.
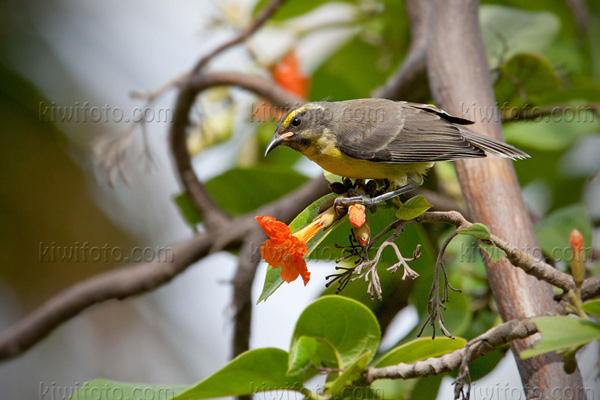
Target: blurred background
{"type": "Point", "coordinates": [78, 174]}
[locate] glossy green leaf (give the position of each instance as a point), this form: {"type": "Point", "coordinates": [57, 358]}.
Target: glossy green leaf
{"type": "Point", "coordinates": [273, 276]}
{"type": "Point", "coordinates": [592, 307]}
{"type": "Point", "coordinates": [554, 231]}
{"type": "Point", "coordinates": [427, 388]}
{"type": "Point", "coordinates": [251, 372]}
{"type": "Point", "coordinates": [477, 230]}
{"type": "Point", "coordinates": [241, 190]}
{"type": "Point", "coordinates": [562, 332]}
{"type": "Point", "coordinates": [102, 389]}
{"type": "Point", "coordinates": [344, 324]}
{"type": "Point", "coordinates": [413, 207]}
{"type": "Point", "coordinates": [524, 78]}
{"type": "Point", "coordinates": [420, 349]}
{"type": "Point", "coordinates": [273, 282]}
{"type": "Point", "coordinates": [303, 355]}
{"type": "Point", "coordinates": [494, 252]}
{"type": "Point", "coordinates": [352, 373]}
{"type": "Point", "coordinates": [188, 209]}
{"type": "Point", "coordinates": [507, 31]}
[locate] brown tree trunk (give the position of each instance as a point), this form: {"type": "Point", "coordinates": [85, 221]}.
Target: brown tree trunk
{"type": "Point", "coordinates": [460, 83]}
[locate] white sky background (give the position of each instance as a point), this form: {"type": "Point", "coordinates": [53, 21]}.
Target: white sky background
{"type": "Point", "coordinates": [181, 332]}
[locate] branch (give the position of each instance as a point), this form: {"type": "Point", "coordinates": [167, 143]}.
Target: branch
{"type": "Point", "coordinates": [532, 266]}
{"type": "Point", "coordinates": [475, 348]}
{"type": "Point", "coordinates": [211, 214]}
{"type": "Point", "coordinates": [117, 284]}
{"type": "Point", "coordinates": [410, 81]}
{"type": "Point", "coordinates": [242, 291]}
{"type": "Point", "coordinates": [140, 278]}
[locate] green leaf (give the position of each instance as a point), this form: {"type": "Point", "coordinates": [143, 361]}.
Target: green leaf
{"type": "Point", "coordinates": [554, 231]}
{"type": "Point", "coordinates": [188, 209]}
{"type": "Point", "coordinates": [562, 333]}
{"type": "Point", "coordinates": [272, 282]}
{"type": "Point", "coordinates": [592, 307]}
{"type": "Point", "coordinates": [273, 277]}
{"type": "Point", "coordinates": [525, 74]}
{"type": "Point", "coordinates": [507, 31]}
{"type": "Point", "coordinates": [494, 252]}
{"type": "Point", "coordinates": [412, 208]}
{"type": "Point", "coordinates": [477, 230]}
{"type": "Point", "coordinates": [344, 324]}
{"type": "Point", "coordinates": [241, 190]}
{"type": "Point", "coordinates": [102, 389]}
{"type": "Point", "coordinates": [420, 349]}
{"type": "Point", "coordinates": [350, 374]}
{"type": "Point", "coordinates": [427, 388]}
{"type": "Point", "coordinates": [251, 372]}
{"type": "Point", "coordinates": [302, 355]}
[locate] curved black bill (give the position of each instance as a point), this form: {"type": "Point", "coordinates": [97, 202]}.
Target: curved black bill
{"type": "Point", "coordinates": [276, 140]}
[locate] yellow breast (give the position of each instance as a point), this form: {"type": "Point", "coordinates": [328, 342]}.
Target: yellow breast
{"type": "Point", "coordinates": [331, 159]}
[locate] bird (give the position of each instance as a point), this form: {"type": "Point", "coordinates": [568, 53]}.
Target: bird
{"type": "Point", "coordinates": [381, 139]}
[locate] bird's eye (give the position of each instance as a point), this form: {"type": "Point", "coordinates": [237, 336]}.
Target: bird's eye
{"type": "Point", "coordinates": [296, 121]}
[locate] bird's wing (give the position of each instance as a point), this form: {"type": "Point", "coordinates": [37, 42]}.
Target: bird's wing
{"type": "Point", "coordinates": [410, 135]}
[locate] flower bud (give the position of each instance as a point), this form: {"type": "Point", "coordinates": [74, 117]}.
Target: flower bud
{"type": "Point", "coordinates": [357, 214]}
{"type": "Point", "coordinates": [578, 262]}
{"type": "Point", "coordinates": [362, 234]}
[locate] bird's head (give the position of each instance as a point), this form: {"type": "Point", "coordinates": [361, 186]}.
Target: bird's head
{"type": "Point", "coordinates": [301, 127]}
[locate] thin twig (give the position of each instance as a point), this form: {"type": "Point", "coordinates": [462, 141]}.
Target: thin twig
{"type": "Point", "coordinates": [181, 79]}
{"type": "Point", "coordinates": [434, 304]}
{"type": "Point", "coordinates": [255, 25]}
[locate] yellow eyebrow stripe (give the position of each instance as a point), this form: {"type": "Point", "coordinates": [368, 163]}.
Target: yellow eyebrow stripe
{"type": "Point", "coordinates": [308, 106]}
{"type": "Point", "coordinates": [286, 121]}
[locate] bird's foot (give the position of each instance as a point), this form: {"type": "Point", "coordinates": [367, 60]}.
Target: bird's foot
{"type": "Point", "coordinates": [342, 203]}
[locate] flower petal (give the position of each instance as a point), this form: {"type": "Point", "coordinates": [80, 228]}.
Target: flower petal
{"type": "Point", "coordinates": [273, 228]}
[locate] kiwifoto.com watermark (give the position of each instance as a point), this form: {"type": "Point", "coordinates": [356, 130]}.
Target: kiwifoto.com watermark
{"type": "Point", "coordinates": [85, 252]}
{"type": "Point", "coordinates": [506, 391]}
{"type": "Point", "coordinates": [85, 391]}
{"type": "Point", "coordinates": [264, 392]}
{"type": "Point", "coordinates": [267, 112]}
{"type": "Point", "coordinates": [470, 253]}
{"type": "Point", "coordinates": [84, 112]}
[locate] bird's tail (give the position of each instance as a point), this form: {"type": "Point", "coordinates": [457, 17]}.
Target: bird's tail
{"type": "Point", "coordinates": [493, 146]}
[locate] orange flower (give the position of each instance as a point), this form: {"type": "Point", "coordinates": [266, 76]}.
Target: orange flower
{"type": "Point", "coordinates": [286, 249]}
{"type": "Point", "coordinates": [288, 75]}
